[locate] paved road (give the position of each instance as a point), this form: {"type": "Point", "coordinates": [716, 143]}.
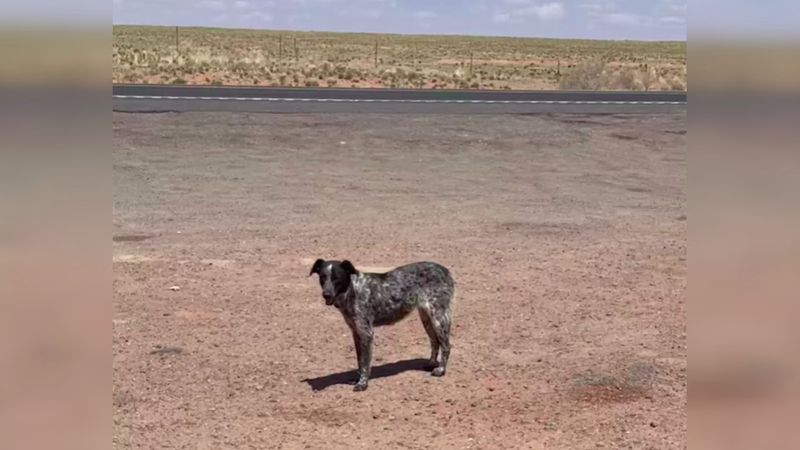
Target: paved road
{"type": "Point", "coordinates": [156, 98]}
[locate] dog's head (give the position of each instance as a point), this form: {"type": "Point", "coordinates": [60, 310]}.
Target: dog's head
{"type": "Point", "coordinates": [334, 278]}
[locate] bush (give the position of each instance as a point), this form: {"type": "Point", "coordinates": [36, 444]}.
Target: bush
{"type": "Point", "coordinates": [598, 76]}
{"type": "Point", "coordinates": [649, 79]}
{"type": "Point", "coordinates": [626, 79]}
{"type": "Point", "coordinates": [585, 76]}
{"type": "Point", "coordinates": [676, 84]}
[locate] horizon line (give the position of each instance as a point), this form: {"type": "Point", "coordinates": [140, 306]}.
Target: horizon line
{"type": "Point", "coordinates": [286, 30]}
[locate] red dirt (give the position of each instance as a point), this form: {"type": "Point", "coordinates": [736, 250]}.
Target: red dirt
{"type": "Point", "coordinates": [567, 244]}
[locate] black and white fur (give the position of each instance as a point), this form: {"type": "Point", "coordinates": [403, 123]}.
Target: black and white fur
{"type": "Point", "coordinates": [367, 300]}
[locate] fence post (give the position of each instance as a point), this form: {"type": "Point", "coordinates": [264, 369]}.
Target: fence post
{"type": "Point", "coordinates": [177, 39]}
{"type": "Point", "coordinates": [376, 53]}
{"type": "Point", "coordinates": [280, 48]}
{"type": "Point", "coordinates": [470, 64]}
{"type": "Point", "coordinates": [296, 55]}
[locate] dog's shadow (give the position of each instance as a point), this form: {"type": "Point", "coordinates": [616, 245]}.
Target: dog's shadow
{"type": "Point", "coordinates": [382, 371]}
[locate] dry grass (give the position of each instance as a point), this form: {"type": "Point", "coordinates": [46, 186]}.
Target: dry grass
{"type": "Point", "coordinates": [599, 75]}
{"type": "Point", "coordinates": [268, 58]}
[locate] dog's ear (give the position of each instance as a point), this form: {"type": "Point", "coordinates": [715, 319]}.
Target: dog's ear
{"type": "Point", "coordinates": [348, 266]}
{"type": "Point", "coordinates": [316, 267]}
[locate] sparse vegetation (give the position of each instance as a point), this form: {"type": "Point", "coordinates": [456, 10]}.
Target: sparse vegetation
{"type": "Point", "coordinates": [599, 75]}
{"type": "Point", "coordinates": [253, 57]}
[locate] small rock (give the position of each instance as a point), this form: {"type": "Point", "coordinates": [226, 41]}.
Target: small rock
{"type": "Point", "coordinates": [342, 142]}
{"type": "Point", "coordinates": [175, 288]}
{"type": "Point", "coordinates": [652, 424]}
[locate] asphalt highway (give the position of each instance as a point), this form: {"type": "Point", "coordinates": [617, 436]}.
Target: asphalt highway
{"type": "Point", "coordinates": [163, 98]}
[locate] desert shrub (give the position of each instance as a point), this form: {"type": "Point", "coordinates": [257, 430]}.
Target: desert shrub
{"type": "Point", "coordinates": [626, 79]}
{"type": "Point", "coordinates": [677, 84]}
{"type": "Point", "coordinates": [585, 76]}
{"type": "Point", "coordinates": [240, 68]}
{"type": "Point", "coordinates": [649, 79]}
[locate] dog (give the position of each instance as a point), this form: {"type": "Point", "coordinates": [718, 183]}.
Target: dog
{"type": "Point", "coordinates": [367, 300]}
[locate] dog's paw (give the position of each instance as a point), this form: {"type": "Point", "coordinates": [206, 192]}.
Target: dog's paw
{"type": "Point", "coordinates": [431, 365]}
{"type": "Point", "coordinates": [360, 387]}
{"type": "Point", "coordinates": [438, 372]}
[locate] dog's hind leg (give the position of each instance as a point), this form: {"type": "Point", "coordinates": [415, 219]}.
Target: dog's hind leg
{"type": "Point", "coordinates": [425, 315]}
{"type": "Point", "coordinates": [440, 320]}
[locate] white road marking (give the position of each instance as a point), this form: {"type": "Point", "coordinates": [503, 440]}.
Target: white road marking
{"type": "Point", "coordinates": [384, 100]}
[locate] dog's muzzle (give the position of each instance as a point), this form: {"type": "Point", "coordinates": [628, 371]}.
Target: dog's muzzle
{"type": "Point", "coordinates": [328, 299]}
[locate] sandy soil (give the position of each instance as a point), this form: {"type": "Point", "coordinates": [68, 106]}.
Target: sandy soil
{"type": "Point", "coordinates": [566, 236]}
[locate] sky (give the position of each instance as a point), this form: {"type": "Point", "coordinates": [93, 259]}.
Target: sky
{"type": "Point", "coordinates": [582, 19]}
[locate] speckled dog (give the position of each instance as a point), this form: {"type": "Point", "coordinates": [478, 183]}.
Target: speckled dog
{"type": "Point", "coordinates": [367, 300]}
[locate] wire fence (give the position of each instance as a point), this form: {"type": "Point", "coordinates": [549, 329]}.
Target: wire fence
{"type": "Point", "coordinates": [216, 56]}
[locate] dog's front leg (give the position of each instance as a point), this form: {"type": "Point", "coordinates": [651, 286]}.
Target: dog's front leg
{"type": "Point", "coordinates": [364, 331]}
{"type": "Point", "coordinates": [357, 345]}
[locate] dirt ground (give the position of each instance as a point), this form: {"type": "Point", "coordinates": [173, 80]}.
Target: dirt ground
{"type": "Point", "coordinates": [566, 236]}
